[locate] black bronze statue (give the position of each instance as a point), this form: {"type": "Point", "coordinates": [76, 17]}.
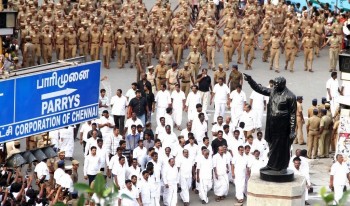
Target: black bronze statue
{"type": "Point", "coordinates": [280, 126]}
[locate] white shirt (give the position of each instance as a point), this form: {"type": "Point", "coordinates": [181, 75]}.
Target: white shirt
{"type": "Point", "coordinates": [199, 152]}
{"type": "Point", "coordinates": [249, 118]}
{"type": "Point", "coordinates": [260, 145]}
{"type": "Point", "coordinates": [258, 101]}
{"type": "Point", "coordinates": [221, 92]}
{"type": "Point", "coordinates": [194, 117]}
{"type": "Point", "coordinates": [220, 162]}
{"type": "Point", "coordinates": [106, 130]}
{"type": "Point", "coordinates": [168, 140]}
{"type": "Point", "coordinates": [216, 128]}
{"type": "Point", "coordinates": [58, 174]}
{"type": "Point", "coordinates": [130, 171]}
{"type": "Point", "coordinates": [169, 121]}
{"type": "Point", "coordinates": [346, 89]}
{"type": "Point", "coordinates": [129, 122]}
{"type": "Point", "coordinates": [160, 129]}
{"type": "Point", "coordinates": [192, 100]}
{"type": "Point", "coordinates": [302, 173]}
{"type": "Point", "coordinates": [103, 156]}
{"type": "Point", "coordinates": [84, 129]}
{"type": "Point", "coordinates": [140, 155]}
{"type": "Point", "coordinates": [171, 175]}
{"type": "Point", "coordinates": [185, 166]}
{"type": "Point", "coordinates": [67, 182]}
{"type": "Point", "coordinates": [205, 167]}
{"type": "Point", "coordinates": [163, 99]}
{"type": "Point", "coordinates": [199, 129]}
{"type": "Point", "coordinates": [192, 150]}
{"type": "Point", "coordinates": [119, 105]}
{"type": "Point", "coordinates": [130, 94]}
{"type": "Point", "coordinates": [257, 164]}
{"type": "Point", "coordinates": [339, 172]}
{"type": "Point", "coordinates": [92, 165]}
{"type": "Point", "coordinates": [90, 142]}
{"type": "Point", "coordinates": [42, 169]}
{"type": "Point", "coordinates": [333, 86]}
{"type": "Point", "coordinates": [178, 98]}
{"type": "Point", "coordinates": [237, 99]}
{"type": "Point", "coordinates": [145, 190]}
{"type": "Point", "coordinates": [233, 144]}
{"type": "Point", "coordinates": [111, 143]}
{"type": "Point", "coordinates": [131, 201]}
{"type": "Point", "coordinates": [227, 136]}
{"type": "Point", "coordinates": [240, 162]}
{"type": "Point", "coordinates": [104, 101]}
{"type": "Point", "coordinates": [184, 133]}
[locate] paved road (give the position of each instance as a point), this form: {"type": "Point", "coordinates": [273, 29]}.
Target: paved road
{"type": "Point", "coordinates": [308, 85]}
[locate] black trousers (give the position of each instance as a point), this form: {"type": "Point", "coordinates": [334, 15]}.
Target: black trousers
{"type": "Point", "coordinates": [119, 121]}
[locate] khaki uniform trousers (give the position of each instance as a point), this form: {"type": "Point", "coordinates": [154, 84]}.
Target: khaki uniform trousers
{"type": "Point", "coordinates": [133, 51]}
{"type": "Point", "coordinates": [312, 143]}
{"type": "Point", "coordinates": [266, 45]}
{"type": "Point", "coordinates": [47, 53]}
{"type": "Point", "coordinates": [318, 44]}
{"type": "Point", "coordinates": [177, 52]}
{"type": "Point", "coordinates": [275, 58]}
{"type": "Point", "coordinates": [300, 136]}
{"type": "Point", "coordinates": [248, 55]}
{"type": "Point", "coordinates": [107, 51]}
{"type": "Point", "coordinates": [308, 58]}
{"type": "Point", "coordinates": [72, 50]}
{"type": "Point", "coordinates": [334, 56]}
{"type": "Point", "coordinates": [37, 49]}
{"type": "Point", "coordinates": [60, 51]}
{"type": "Point", "coordinates": [195, 69]}
{"type": "Point", "coordinates": [324, 143]}
{"type": "Point", "coordinates": [185, 87]}
{"type": "Point", "coordinates": [149, 52]}
{"type": "Point", "coordinates": [94, 51]}
{"type": "Point", "coordinates": [83, 48]}
{"type": "Point", "coordinates": [290, 57]}
{"type": "Point", "coordinates": [121, 50]}
{"type": "Point", "coordinates": [211, 56]}
{"type": "Point", "coordinates": [227, 55]}
{"type": "Point", "coordinates": [239, 51]}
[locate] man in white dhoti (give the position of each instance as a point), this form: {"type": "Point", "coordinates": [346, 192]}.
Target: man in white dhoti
{"type": "Point", "coordinates": [302, 172]}
{"type": "Point", "coordinates": [258, 103]}
{"type": "Point", "coordinates": [192, 100]}
{"type": "Point", "coordinates": [220, 95]}
{"type": "Point", "coordinates": [145, 189]}
{"type": "Point", "coordinates": [155, 178]}
{"type": "Point", "coordinates": [333, 91]}
{"type": "Point", "coordinates": [171, 179]}
{"type": "Point", "coordinates": [178, 100]}
{"type": "Point", "coordinates": [66, 138]}
{"type": "Point", "coordinates": [239, 173]}
{"type": "Point", "coordinates": [204, 176]}
{"type": "Point", "coordinates": [221, 183]}
{"type": "Point", "coordinates": [185, 165]}
{"type": "Point", "coordinates": [163, 101]}
{"type": "Point", "coordinates": [237, 101]}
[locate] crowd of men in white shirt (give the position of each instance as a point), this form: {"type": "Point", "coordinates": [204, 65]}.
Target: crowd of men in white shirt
{"type": "Point", "coordinates": [150, 166]}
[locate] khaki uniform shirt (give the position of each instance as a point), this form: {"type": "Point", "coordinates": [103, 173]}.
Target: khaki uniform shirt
{"type": "Point", "coordinates": [314, 123]}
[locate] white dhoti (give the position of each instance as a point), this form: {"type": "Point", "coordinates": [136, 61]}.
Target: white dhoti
{"type": "Point", "coordinates": [334, 104]}
{"type": "Point", "coordinates": [204, 186]}
{"type": "Point", "coordinates": [338, 192]}
{"type": "Point", "coordinates": [221, 185]}
{"type": "Point", "coordinates": [155, 194]}
{"type": "Point", "coordinates": [185, 184]}
{"type": "Point", "coordinates": [170, 195]}
{"type": "Point", "coordinates": [190, 113]}
{"type": "Point", "coordinates": [177, 115]}
{"type": "Point", "coordinates": [205, 99]}
{"type": "Point", "coordinates": [236, 113]}
{"type": "Point", "coordinates": [259, 114]}
{"type": "Point", "coordinates": [240, 186]}
{"type": "Point", "coordinates": [219, 110]}
{"type": "Point", "coordinates": [161, 111]}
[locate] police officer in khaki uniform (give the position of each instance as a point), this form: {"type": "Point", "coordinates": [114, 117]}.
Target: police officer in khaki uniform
{"type": "Point", "coordinates": [291, 48]}
{"type": "Point", "coordinates": [178, 44]}
{"type": "Point", "coordinates": [266, 33]}
{"type": "Point", "coordinates": [141, 61]}
{"type": "Point", "coordinates": [210, 45]}
{"type": "Point", "coordinates": [227, 42]}
{"type": "Point", "coordinates": [160, 73]}
{"type": "Point", "coordinates": [83, 36]}
{"type": "Point", "coordinates": [325, 137]}
{"type": "Point", "coordinates": [120, 42]}
{"type": "Point", "coordinates": [167, 57]}
{"type": "Point", "coordinates": [194, 39]}
{"type": "Point", "coordinates": [319, 35]}
{"type": "Point", "coordinates": [36, 40]}
{"type": "Point", "coordinates": [248, 50]}
{"type": "Point", "coordinates": [308, 44]}
{"type": "Point", "coordinates": [48, 42]}
{"type": "Point", "coordinates": [237, 34]}
{"type": "Point", "coordinates": [107, 41]}
{"type": "Point", "coordinates": [334, 49]}
{"type": "Point", "coordinates": [195, 60]}
{"type": "Point", "coordinates": [28, 53]}
{"type": "Point", "coordinates": [313, 106]}
{"type": "Point", "coordinates": [172, 77]}
{"type": "Point", "coordinates": [186, 77]}
{"type": "Point", "coordinates": [59, 44]}
{"type": "Point", "coordinates": [71, 39]}
{"type": "Point", "coordinates": [148, 37]}
{"type": "Point", "coordinates": [276, 43]}
{"type": "Point", "coordinates": [313, 130]}
{"type": "Point", "coordinates": [235, 78]}
{"type": "Point", "coordinates": [300, 122]}
{"type": "Point", "coordinates": [135, 41]}
{"type": "Point", "coordinates": [94, 43]}
{"type": "Point", "coordinates": [220, 73]}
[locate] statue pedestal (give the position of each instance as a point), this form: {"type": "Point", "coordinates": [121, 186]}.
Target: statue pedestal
{"type": "Point", "coordinates": [265, 193]}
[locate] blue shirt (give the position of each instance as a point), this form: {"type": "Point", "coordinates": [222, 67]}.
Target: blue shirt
{"type": "Point", "coordinates": [132, 141]}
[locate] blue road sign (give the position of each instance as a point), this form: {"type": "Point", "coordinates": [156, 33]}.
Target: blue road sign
{"type": "Point", "coordinates": [42, 102]}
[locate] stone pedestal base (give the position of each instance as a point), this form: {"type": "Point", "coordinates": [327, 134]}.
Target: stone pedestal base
{"type": "Point", "coordinates": [265, 193]}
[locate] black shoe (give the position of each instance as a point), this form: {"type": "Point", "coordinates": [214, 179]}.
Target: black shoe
{"type": "Point", "coordinates": [203, 202]}
{"type": "Point", "coordinates": [265, 168]}
{"type": "Point", "coordinates": [306, 203]}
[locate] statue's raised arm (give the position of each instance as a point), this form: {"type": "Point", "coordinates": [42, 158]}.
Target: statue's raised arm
{"type": "Point", "coordinates": [257, 87]}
